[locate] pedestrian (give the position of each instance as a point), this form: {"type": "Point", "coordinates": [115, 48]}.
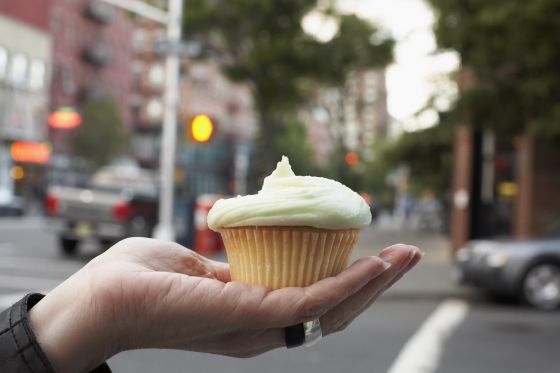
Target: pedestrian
{"type": "Point", "coordinates": [144, 293]}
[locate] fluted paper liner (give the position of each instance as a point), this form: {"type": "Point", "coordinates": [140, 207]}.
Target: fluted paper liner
{"type": "Point", "coordinates": [279, 257]}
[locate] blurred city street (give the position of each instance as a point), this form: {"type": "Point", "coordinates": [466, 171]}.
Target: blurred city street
{"type": "Point", "coordinates": [30, 261]}
{"type": "Point", "coordinates": [132, 118]}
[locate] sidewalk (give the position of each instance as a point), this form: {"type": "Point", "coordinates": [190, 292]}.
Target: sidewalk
{"type": "Point", "coordinates": [431, 278]}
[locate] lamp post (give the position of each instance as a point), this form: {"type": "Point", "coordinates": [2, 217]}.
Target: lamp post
{"type": "Point", "coordinates": [164, 229]}
{"type": "Point", "coordinates": [172, 19]}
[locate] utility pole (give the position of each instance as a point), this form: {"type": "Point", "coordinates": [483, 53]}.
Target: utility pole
{"type": "Point", "coordinates": [173, 20]}
{"type": "Point", "coordinates": [164, 229]}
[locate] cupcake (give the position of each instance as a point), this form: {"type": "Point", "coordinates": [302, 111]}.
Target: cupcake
{"type": "Point", "coordinates": [295, 231]}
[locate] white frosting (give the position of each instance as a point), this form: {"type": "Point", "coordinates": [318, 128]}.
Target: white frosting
{"type": "Point", "coordinates": [289, 200]}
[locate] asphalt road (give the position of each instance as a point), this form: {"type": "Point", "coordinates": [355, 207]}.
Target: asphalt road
{"type": "Point", "coordinates": [424, 325]}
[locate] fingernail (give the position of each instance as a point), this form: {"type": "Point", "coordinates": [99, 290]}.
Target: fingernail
{"type": "Point", "coordinates": [413, 248]}
{"type": "Point", "coordinates": [386, 265]}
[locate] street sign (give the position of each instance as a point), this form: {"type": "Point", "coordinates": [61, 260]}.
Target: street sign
{"type": "Point", "coordinates": [189, 49]}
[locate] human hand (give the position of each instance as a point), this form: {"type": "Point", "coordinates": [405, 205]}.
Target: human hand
{"type": "Point", "coordinates": [144, 293]}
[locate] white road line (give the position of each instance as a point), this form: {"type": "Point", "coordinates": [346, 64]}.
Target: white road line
{"type": "Point", "coordinates": [422, 352]}
{"type": "Point", "coordinates": [26, 283]}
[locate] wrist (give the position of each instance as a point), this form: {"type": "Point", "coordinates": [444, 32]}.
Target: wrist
{"type": "Point", "coordinates": [71, 332]}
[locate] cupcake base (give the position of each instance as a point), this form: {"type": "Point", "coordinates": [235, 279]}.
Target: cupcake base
{"type": "Point", "coordinates": [279, 257]}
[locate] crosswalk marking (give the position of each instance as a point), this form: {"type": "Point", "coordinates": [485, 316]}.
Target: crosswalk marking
{"type": "Point", "coordinates": [422, 353]}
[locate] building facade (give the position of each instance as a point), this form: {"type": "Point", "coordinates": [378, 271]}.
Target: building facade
{"type": "Point", "coordinates": [25, 65]}
{"type": "Point", "coordinates": [365, 108]}
{"type": "Point", "coordinates": [351, 117]}
{"type": "Point", "coordinates": [91, 58]}
{"type": "Point", "coordinates": [148, 78]}
{"type": "Point", "coordinates": [221, 165]}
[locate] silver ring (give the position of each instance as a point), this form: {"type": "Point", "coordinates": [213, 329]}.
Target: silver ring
{"type": "Point", "coordinates": [312, 331]}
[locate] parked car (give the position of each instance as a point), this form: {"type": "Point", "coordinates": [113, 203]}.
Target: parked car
{"type": "Point", "coordinates": [120, 201]}
{"type": "Point", "coordinates": [12, 207]}
{"type": "Point", "coordinates": [527, 269]}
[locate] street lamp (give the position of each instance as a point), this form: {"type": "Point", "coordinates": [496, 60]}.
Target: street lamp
{"type": "Point", "coordinates": [164, 229]}
{"type": "Point", "coordinates": [173, 20]}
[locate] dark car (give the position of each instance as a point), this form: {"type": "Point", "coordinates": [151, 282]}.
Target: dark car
{"type": "Point", "coordinates": [527, 269]}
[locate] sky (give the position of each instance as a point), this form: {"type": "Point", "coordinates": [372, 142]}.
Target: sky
{"type": "Point", "coordinates": [419, 70]}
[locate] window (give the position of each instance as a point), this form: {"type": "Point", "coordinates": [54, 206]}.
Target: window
{"type": "Point", "coordinates": [18, 70]}
{"type": "Point", "coordinates": [156, 75]}
{"type": "Point", "coordinates": [138, 40]}
{"type": "Point", "coordinates": [3, 63]}
{"type": "Point", "coordinates": [37, 75]}
{"type": "Point", "coordinates": [154, 109]}
{"type": "Point", "coordinates": [137, 67]}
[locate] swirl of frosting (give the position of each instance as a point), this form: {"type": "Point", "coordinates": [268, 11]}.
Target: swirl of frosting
{"type": "Point", "coordinates": [289, 200]}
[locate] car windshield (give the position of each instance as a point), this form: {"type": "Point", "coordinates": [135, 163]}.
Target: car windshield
{"type": "Point", "coordinates": [119, 178]}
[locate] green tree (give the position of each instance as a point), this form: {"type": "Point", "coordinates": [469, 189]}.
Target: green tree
{"type": "Point", "coordinates": [511, 47]}
{"type": "Point", "coordinates": [428, 154]}
{"type": "Point", "coordinates": [262, 42]}
{"type": "Point", "coordinates": [101, 136]}
{"type": "Point", "coordinates": [293, 143]}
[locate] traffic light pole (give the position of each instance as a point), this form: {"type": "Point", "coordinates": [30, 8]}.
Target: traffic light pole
{"type": "Point", "coordinates": [164, 229]}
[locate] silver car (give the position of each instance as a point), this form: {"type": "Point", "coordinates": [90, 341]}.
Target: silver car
{"type": "Point", "coordinates": [528, 269]}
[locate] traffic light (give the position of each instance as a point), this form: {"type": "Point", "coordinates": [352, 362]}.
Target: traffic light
{"type": "Point", "coordinates": [351, 159]}
{"type": "Point", "coordinates": [201, 128]}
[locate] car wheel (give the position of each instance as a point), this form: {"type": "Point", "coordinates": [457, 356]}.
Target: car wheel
{"type": "Point", "coordinates": [68, 246]}
{"type": "Point", "coordinates": [541, 286]}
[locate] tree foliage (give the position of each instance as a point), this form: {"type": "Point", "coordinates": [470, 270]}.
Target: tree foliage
{"type": "Point", "coordinates": [294, 143]}
{"type": "Point", "coordinates": [511, 46]}
{"type": "Point", "coordinates": [262, 42]}
{"type": "Point", "coordinates": [101, 136]}
{"type": "Point", "coordinates": [428, 154]}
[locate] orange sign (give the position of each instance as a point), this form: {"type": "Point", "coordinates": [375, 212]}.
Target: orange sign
{"type": "Point", "coordinates": [31, 152]}
{"type": "Point", "coordinates": [65, 118]}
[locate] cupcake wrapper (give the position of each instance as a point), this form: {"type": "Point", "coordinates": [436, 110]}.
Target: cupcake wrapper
{"type": "Point", "coordinates": [279, 257]}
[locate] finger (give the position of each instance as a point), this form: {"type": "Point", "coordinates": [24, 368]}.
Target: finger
{"type": "Point", "coordinates": [415, 260]}
{"type": "Point", "coordinates": [290, 306]}
{"type": "Point", "coordinates": [220, 270]}
{"type": "Point", "coordinates": [341, 316]}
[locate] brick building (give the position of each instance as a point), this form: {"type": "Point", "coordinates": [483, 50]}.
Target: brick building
{"type": "Point", "coordinates": [354, 115]}
{"type": "Point", "coordinates": [91, 57]}
{"type": "Point", "coordinates": [221, 165]}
